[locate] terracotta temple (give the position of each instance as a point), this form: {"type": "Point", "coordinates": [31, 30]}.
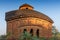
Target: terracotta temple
{"type": "Point", "coordinates": [27, 19]}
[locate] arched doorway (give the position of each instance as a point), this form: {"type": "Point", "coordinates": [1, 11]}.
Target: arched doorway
{"type": "Point", "coordinates": [24, 33]}
{"type": "Point", "coordinates": [31, 32]}
{"type": "Point", "coordinates": [37, 32]}
{"type": "Point", "coordinates": [24, 30]}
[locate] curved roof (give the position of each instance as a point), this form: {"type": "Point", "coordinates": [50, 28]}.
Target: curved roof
{"type": "Point", "coordinates": [27, 13]}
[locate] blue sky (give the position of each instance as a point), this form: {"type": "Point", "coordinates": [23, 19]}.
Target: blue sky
{"type": "Point", "coordinates": [48, 7]}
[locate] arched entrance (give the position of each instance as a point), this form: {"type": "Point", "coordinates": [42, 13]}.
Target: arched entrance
{"type": "Point", "coordinates": [37, 32]}
{"type": "Point", "coordinates": [31, 32]}
{"type": "Point", "coordinates": [24, 30]}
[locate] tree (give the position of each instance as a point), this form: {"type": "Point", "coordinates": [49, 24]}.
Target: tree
{"type": "Point", "coordinates": [3, 37]}
{"type": "Point", "coordinates": [54, 32]}
{"type": "Point", "coordinates": [27, 36]}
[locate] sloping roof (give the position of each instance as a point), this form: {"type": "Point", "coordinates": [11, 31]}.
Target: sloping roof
{"type": "Point", "coordinates": [26, 13]}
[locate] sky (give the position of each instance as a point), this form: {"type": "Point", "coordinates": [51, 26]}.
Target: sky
{"type": "Point", "coordinates": [50, 8]}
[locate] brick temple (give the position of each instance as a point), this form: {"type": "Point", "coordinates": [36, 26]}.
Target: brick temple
{"type": "Point", "coordinates": [25, 18]}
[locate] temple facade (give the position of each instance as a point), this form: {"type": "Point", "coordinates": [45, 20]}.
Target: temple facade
{"type": "Point", "coordinates": [29, 20]}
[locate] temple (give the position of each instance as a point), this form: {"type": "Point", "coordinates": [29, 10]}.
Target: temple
{"type": "Point", "coordinates": [29, 20]}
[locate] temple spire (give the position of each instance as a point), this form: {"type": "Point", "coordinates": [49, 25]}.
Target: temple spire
{"type": "Point", "coordinates": [26, 6]}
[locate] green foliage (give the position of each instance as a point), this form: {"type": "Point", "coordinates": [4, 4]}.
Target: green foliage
{"type": "Point", "coordinates": [42, 38]}
{"type": "Point", "coordinates": [55, 33]}
{"type": "Point", "coordinates": [35, 38]}
{"type": "Point", "coordinates": [24, 36]}
{"type": "Point", "coordinates": [58, 36]}
{"type": "Point", "coordinates": [27, 36]}
{"type": "Point", "coordinates": [3, 37]}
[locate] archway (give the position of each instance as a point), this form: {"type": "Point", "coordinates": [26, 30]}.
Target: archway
{"type": "Point", "coordinates": [24, 30]}
{"type": "Point", "coordinates": [31, 32]}
{"type": "Point", "coordinates": [37, 32]}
